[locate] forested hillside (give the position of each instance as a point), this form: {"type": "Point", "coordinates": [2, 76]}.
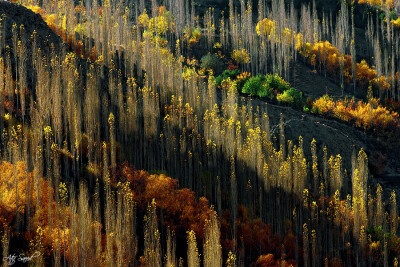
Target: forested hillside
{"type": "Point", "coordinates": [199, 133]}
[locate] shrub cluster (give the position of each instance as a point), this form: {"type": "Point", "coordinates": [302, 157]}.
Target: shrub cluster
{"type": "Point", "coordinates": [364, 115]}
{"type": "Point", "coordinates": [265, 86]}
{"type": "Point", "coordinates": [212, 61]}
{"type": "Point", "coordinates": [232, 74]}
{"type": "Point", "coordinates": [257, 86]}
{"type": "Point", "coordinates": [291, 96]}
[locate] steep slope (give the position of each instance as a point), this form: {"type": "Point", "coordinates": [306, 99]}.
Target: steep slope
{"type": "Point", "coordinates": [14, 14]}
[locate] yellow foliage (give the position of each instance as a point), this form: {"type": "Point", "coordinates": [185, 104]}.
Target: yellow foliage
{"type": "Point", "coordinates": [36, 9]}
{"type": "Point", "coordinates": [217, 45]}
{"type": "Point", "coordinates": [364, 72]}
{"type": "Point", "coordinates": [365, 115]}
{"type": "Point", "coordinates": [144, 19]}
{"type": "Point", "coordinates": [266, 27]}
{"type": "Point", "coordinates": [241, 56]}
{"type": "Point", "coordinates": [11, 177]}
{"type": "Point", "coordinates": [381, 82]}
{"type": "Point", "coordinates": [380, 3]}
{"type": "Point", "coordinates": [51, 20]}
{"type": "Point", "coordinates": [324, 105]}
{"type": "Point", "coordinates": [396, 22]}
{"type": "Point", "coordinates": [188, 73]}
{"type": "Point", "coordinates": [159, 25]}
{"type": "Point", "coordinates": [299, 41]}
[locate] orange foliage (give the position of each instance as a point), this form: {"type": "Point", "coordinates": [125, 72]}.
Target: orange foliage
{"type": "Point", "coordinates": [79, 9]}
{"type": "Point", "coordinates": [364, 73]}
{"type": "Point", "coordinates": [181, 209]}
{"type": "Point", "coordinates": [392, 104]}
{"type": "Point", "coordinates": [257, 238]}
{"type": "Point", "coordinates": [266, 261]}
{"type": "Point", "coordinates": [381, 83]}
{"type": "Point", "coordinates": [364, 115]}
{"type": "Point", "coordinates": [69, 38]}
{"type": "Point", "coordinates": [8, 184]}
{"type": "Point", "coordinates": [325, 54]}
{"type": "Point", "coordinates": [162, 10]}
{"type": "Point", "coordinates": [41, 218]}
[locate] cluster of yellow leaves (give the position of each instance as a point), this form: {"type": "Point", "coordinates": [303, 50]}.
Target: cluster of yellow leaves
{"type": "Point", "coordinates": [36, 9]}
{"type": "Point", "coordinates": [325, 53]}
{"type": "Point", "coordinates": [288, 36]}
{"type": "Point", "coordinates": [192, 36]}
{"type": "Point", "coordinates": [396, 22]}
{"type": "Point", "coordinates": [188, 73]}
{"type": "Point", "coordinates": [241, 56]}
{"type": "Point", "coordinates": [266, 27]}
{"type": "Point", "coordinates": [364, 73]}
{"type": "Point", "coordinates": [380, 3]}
{"type": "Point", "coordinates": [144, 19]}
{"type": "Point", "coordinates": [365, 115]}
{"type": "Point", "coordinates": [159, 25]}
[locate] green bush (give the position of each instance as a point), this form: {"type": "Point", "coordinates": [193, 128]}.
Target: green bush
{"type": "Point", "coordinates": [292, 97]}
{"type": "Point", "coordinates": [218, 80]}
{"type": "Point", "coordinates": [212, 61]}
{"type": "Point", "coordinates": [275, 82]}
{"type": "Point", "coordinates": [231, 73]}
{"type": "Point", "coordinates": [256, 86]}
{"type": "Point", "coordinates": [225, 75]}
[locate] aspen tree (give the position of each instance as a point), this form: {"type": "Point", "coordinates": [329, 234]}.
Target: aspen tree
{"type": "Point", "coordinates": [305, 246]}
{"type": "Point", "coordinates": [234, 195]}
{"type": "Point", "coordinates": [314, 248]}
{"type": "Point", "coordinates": [379, 206]}
{"type": "Point", "coordinates": [393, 213]}
{"type": "Point", "coordinates": [85, 219]}
{"type": "Point", "coordinates": [5, 245]}
{"type": "Point", "coordinates": [152, 246]}
{"type": "Point", "coordinates": [193, 258]}
{"type": "Point", "coordinates": [353, 49]}
{"type": "Point", "coordinates": [212, 247]}
{"type": "Point", "coordinates": [231, 260]}
{"type": "Point", "coordinates": [170, 257]}
{"type": "Point", "coordinates": [315, 171]}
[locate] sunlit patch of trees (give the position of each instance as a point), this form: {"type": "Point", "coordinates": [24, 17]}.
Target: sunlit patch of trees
{"type": "Point", "coordinates": [382, 3]}
{"type": "Point", "coordinates": [366, 115]}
